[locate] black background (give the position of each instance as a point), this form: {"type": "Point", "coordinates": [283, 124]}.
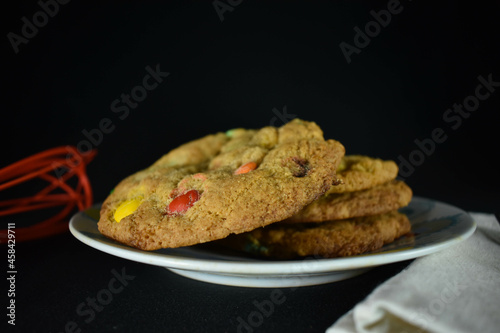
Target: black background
{"type": "Point", "coordinates": [233, 73]}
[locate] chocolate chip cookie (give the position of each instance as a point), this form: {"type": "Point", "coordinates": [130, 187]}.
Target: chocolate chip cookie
{"type": "Point", "coordinates": [359, 172]}
{"type": "Point", "coordinates": [372, 201]}
{"type": "Point", "coordinates": [221, 184]}
{"type": "Point", "coordinates": [327, 239]}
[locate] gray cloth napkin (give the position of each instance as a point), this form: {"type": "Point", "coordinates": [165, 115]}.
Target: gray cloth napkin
{"type": "Point", "coordinates": [454, 290]}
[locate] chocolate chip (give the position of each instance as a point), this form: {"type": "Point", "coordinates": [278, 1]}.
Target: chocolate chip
{"type": "Point", "coordinates": [298, 166]}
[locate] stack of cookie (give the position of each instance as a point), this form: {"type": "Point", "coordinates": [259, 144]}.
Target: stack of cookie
{"type": "Point", "coordinates": [277, 189]}
{"type": "Point", "coordinates": [356, 216]}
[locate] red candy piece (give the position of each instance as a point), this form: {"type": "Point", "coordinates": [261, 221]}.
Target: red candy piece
{"type": "Point", "coordinates": [245, 168]}
{"type": "Point", "coordinates": [183, 202]}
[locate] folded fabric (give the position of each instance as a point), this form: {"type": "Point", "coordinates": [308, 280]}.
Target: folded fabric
{"type": "Point", "coordinates": [454, 290]}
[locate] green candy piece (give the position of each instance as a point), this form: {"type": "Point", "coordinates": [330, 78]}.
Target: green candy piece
{"type": "Point", "coordinates": [253, 246]}
{"type": "Point", "coordinates": [230, 133]}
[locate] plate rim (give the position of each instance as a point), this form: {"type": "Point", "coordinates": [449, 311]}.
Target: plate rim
{"type": "Point", "coordinates": [260, 268]}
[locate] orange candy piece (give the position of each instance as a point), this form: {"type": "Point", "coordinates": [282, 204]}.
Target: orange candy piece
{"type": "Point", "coordinates": [247, 167]}
{"type": "Point", "coordinates": [183, 202]}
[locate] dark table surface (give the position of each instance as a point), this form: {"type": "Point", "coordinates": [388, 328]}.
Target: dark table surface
{"type": "Point", "coordinates": [420, 87]}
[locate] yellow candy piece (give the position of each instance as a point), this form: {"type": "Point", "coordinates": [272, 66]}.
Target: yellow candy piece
{"type": "Point", "coordinates": [342, 166]}
{"type": "Point", "coordinates": [126, 208]}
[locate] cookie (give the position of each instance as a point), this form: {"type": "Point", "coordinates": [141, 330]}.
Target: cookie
{"type": "Point", "coordinates": [359, 172]}
{"type": "Point", "coordinates": [337, 206]}
{"type": "Point", "coordinates": [220, 184]}
{"type": "Point", "coordinates": [328, 239]}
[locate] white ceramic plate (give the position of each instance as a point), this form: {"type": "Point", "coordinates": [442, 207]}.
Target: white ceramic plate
{"type": "Point", "coordinates": [435, 226]}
